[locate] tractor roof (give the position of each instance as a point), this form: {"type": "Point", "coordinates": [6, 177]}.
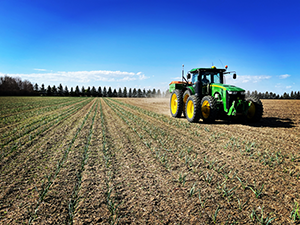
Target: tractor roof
{"type": "Point", "coordinates": [207, 70]}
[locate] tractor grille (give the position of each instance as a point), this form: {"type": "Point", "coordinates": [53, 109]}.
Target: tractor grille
{"type": "Point", "coordinates": [233, 97]}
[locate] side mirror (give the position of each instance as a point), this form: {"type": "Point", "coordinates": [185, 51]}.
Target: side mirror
{"type": "Point", "coordinates": [188, 76]}
{"type": "Point", "coordinates": [234, 76]}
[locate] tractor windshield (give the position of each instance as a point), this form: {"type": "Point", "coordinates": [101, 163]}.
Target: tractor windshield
{"type": "Point", "coordinates": [217, 78]}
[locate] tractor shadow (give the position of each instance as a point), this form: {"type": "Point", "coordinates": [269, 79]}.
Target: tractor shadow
{"type": "Point", "coordinates": [274, 122]}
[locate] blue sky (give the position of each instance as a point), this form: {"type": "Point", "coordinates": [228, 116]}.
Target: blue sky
{"type": "Point", "coordinates": [143, 44]}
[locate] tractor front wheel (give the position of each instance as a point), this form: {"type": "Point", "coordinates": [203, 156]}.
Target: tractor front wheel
{"type": "Point", "coordinates": [185, 97]}
{"type": "Point", "coordinates": [208, 109]}
{"type": "Point", "coordinates": [192, 109]}
{"type": "Point", "coordinates": [255, 110]}
{"type": "Point", "coordinates": [176, 103]}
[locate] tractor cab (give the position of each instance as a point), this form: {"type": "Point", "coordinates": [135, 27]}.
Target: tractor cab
{"type": "Point", "coordinates": [202, 78]}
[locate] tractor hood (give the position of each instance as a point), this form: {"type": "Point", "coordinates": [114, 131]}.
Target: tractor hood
{"type": "Point", "coordinates": [227, 87]}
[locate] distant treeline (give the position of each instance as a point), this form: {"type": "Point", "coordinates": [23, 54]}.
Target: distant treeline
{"type": "Point", "coordinates": [12, 86]}
{"type": "Point", "coordinates": [271, 95]}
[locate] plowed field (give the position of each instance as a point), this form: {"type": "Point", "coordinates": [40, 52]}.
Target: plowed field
{"type": "Point", "coordinates": [126, 161]}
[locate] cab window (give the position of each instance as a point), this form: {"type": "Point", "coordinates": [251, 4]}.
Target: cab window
{"type": "Point", "coordinates": [194, 78]}
{"type": "Point", "coordinates": [217, 78]}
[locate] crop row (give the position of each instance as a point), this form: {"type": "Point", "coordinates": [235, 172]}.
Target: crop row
{"type": "Point", "coordinates": [12, 102]}
{"type": "Point", "coordinates": [11, 108]}
{"type": "Point", "coordinates": [74, 200]}
{"type": "Point", "coordinates": [108, 160]}
{"type": "Point", "coordinates": [52, 176]}
{"type": "Point", "coordinates": [30, 167]}
{"type": "Point", "coordinates": [26, 127]}
{"type": "Point", "coordinates": [142, 184]}
{"type": "Point", "coordinates": [25, 135]}
{"type": "Point", "coordinates": [13, 119]}
{"type": "Point", "coordinates": [36, 121]}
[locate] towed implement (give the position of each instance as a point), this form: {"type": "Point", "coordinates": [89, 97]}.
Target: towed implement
{"type": "Point", "coordinates": [203, 94]}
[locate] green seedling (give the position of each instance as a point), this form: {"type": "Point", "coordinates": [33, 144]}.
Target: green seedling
{"type": "Point", "coordinates": [241, 206]}
{"type": "Point", "coordinates": [187, 159]}
{"type": "Point", "coordinates": [278, 155]}
{"type": "Point", "coordinates": [189, 149]}
{"type": "Point", "coordinates": [163, 158]}
{"type": "Point", "coordinates": [211, 164]}
{"type": "Point", "coordinates": [226, 175]}
{"type": "Point", "coordinates": [295, 214]}
{"type": "Point", "coordinates": [220, 168]}
{"type": "Point", "coordinates": [257, 192]}
{"type": "Point", "coordinates": [202, 202]}
{"type": "Point", "coordinates": [214, 216]}
{"type": "Point", "coordinates": [192, 191]}
{"type": "Point", "coordinates": [291, 172]}
{"type": "Point", "coordinates": [244, 186]}
{"type": "Point", "coordinates": [228, 193]}
{"type": "Point", "coordinates": [294, 157]}
{"type": "Point", "coordinates": [233, 176]}
{"type": "Point", "coordinates": [181, 154]}
{"type": "Point", "coordinates": [263, 221]}
{"type": "Point", "coordinates": [181, 179]}
{"type": "Point", "coordinates": [208, 177]}
{"type": "Point", "coordinates": [226, 145]}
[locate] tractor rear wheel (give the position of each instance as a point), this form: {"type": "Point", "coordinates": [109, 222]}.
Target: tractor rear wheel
{"type": "Point", "coordinates": [185, 97]}
{"type": "Point", "coordinates": [176, 103]}
{"type": "Point", "coordinates": [208, 109]}
{"type": "Point", "coordinates": [193, 109]}
{"type": "Point", "coordinates": [255, 110]}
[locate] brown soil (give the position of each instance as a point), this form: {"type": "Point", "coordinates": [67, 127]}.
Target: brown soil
{"type": "Point", "coordinates": [127, 161]}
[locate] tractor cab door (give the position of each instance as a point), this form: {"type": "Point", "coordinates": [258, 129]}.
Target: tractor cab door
{"type": "Point", "coordinates": [206, 79]}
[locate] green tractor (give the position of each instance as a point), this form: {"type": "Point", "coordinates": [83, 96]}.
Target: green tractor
{"type": "Point", "coordinates": [207, 97]}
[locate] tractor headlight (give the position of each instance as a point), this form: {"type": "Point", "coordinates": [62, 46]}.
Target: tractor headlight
{"type": "Point", "coordinates": [242, 93]}
{"type": "Point", "coordinates": [232, 92]}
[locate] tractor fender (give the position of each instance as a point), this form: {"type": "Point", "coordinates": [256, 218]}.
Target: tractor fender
{"type": "Point", "coordinates": [190, 89]}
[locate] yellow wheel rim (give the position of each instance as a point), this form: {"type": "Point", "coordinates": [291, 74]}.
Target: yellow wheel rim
{"type": "Point", "coordinates": [174, 104]}
{"type": "Point", "coordinates": [185, 97]}
{"type": "Point", "coordinates": [205, 109]}
{"type": "Point", "coordinates": [190, 109]}
{"type": "Point", "coordinates": [251, 111]}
